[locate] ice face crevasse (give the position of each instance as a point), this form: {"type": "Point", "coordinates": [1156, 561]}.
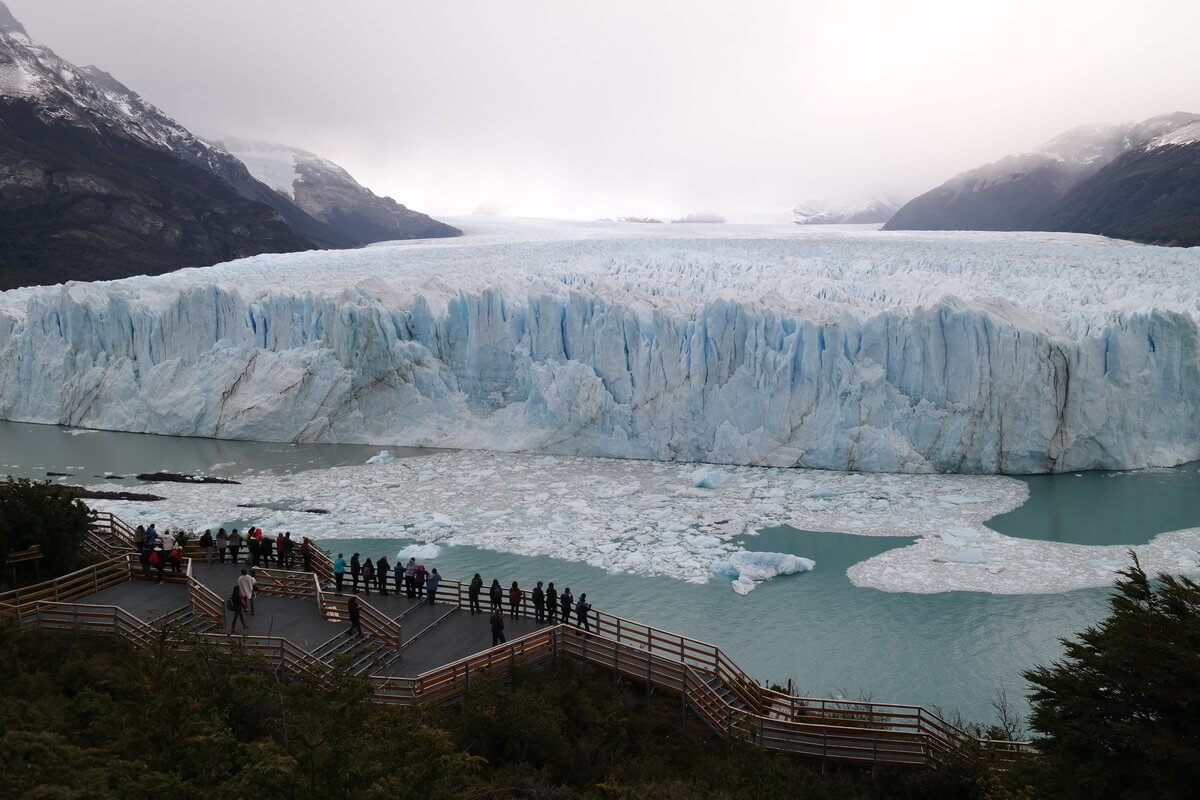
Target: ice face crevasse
{"type": "Point", "coordinates": [592, 360]}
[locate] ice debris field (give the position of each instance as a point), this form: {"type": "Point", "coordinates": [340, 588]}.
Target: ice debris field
{"type": "Point", "coordinates": [833, 348]}
{"type": "Point", "coordinates": [664, 519]}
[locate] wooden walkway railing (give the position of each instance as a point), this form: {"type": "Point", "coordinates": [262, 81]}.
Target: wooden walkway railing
{"type": "Point", "coordinates": [840, 730]}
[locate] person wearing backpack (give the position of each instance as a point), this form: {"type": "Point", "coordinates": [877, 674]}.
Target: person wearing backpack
{"type": "Point", "coordinates": [206, 544]}
{"type": "Point", "coordinates": [539, 603]}
{"type": "Point", "coordinates": [368, 574]}
{"type": "Point", "coordinates": [582, 609]}
{"type": "Point", "coordinates": [235, 605]}
{"type": "Point", "coordinates": [419, 582]}
{"type": "Point", "coordinates": [249, 585]}
{"type": "Point", "coordinates": [566, 602]}
{"type": "Point", "coordinates": [551, 604]}
{"type": "Point", "coordinates": [473, 594]}
{"type": "Point", "coordinates": [496, 595]}
{"type": "Point", "coordinates": [339, 572]}
{"type": "Point", "coordinates": [432, 583]}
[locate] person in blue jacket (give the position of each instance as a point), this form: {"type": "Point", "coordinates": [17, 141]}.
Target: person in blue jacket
{"type": "Point", "coordinates": [339, 571]}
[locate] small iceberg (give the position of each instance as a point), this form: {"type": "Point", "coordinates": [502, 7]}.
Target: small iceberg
{"type": "Point", "coordinates": [747, 569]}
{"type": "Point", "coordinates": [382, 457]}
{"type": "Point", "coordinates": [708, 478]}
{"type": "Point", "coordinates": [421, 552]}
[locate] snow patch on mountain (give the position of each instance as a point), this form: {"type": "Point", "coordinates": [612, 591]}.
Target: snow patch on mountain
{"type": "Point", "coordinates": [273, 165]}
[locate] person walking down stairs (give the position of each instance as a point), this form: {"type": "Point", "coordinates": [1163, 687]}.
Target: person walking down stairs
{"type": "Point", "coordinates": [355, 611]}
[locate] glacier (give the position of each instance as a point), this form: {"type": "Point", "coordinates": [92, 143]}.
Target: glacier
{"type": "Point", "coordinates": [839, 348]}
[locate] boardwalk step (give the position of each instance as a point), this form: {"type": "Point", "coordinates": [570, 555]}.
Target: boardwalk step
{"type": "Point", "coordinates": [410, 639]}
{"type": "Point", "coordinates": [363, 652]}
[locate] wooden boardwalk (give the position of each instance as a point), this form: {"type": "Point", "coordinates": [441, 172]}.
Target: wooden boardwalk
{"type": "Point", "coordinates": [415, 653]}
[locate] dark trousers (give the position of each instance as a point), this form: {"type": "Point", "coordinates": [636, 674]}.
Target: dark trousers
{"type": "Point", "coordinates": [158, 569]}
{"type": "Point", "coordinates": [581, 621]}
{"type": "Point", "coordinates": [339, 578]}
{"type": "Point", "coordinates": [308, 562]}
{"type": "Point", "coordinates": [552, 611]}
{"type": "Point", "coordinates": [410, 587]}
{"type": "Point", "coordinates": [237, 615]}
{"type": "Point", "coordinates": [566, 615]}
{"type": "Point", "coordinates": [221, 552]}
{"type": "Point", "coordinates": [512, 608]}
{"type": "Point", "coordinates": [381, 582]}
{"type": "Point", "coordinates": [174, 564]}
{"type": "Point", "coordinates": [432, 596]}
{"type": "Point", "coordinates": [420, 590]}
{"type": "Point", "coordinates": [475, 609]}
{"type": "Point", "coordinates": [497, 637]}
{"type": "Point", "coordinates": [539, 611]}
{"type": "Point", "coordinates": [496, 604]}
{"type": "Point", "coordinates": [233, 552]}
{"type": "Point", "coordinates": [354, 586]}
{"type": "Point", "coordinates": [355, 627]}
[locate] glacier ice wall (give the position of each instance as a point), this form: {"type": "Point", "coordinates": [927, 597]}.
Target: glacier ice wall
{"type": "Point", "coordinates": [590, 351]}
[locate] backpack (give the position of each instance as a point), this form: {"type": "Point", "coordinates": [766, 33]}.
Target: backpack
{"type": "Point", "coordinates": [230, 604]}
{"type": "Point", "coordinates": [154, 557]}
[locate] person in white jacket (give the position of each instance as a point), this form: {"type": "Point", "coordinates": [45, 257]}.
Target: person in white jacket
{"type": "Point", "coordinates": [247, 582]}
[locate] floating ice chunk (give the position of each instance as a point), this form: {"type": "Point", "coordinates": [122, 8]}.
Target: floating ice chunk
{"type": "Point", "coordinates": [708, 478]}
{"type": "Point", "coordinates": [421, 552]}
{"type": "Point", "coordinates": [382, 457]}
{"type": "Point", "coordinates": [753, 567]}
{"type": "Point", "coordinates": [967, 555]}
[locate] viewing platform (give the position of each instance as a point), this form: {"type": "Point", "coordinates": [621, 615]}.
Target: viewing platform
{"type": "Point", "coordinates": [413, 652]}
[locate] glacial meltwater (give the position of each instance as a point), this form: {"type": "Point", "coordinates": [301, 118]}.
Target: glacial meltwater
{"type": "Point", "coordinates": [948, 649]}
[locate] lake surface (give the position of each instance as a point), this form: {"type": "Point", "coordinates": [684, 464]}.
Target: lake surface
{"type": "Point", "coordinates": [951, 650]}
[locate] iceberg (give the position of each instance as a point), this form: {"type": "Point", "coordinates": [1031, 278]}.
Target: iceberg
{"type": "Point", "coordinates": [421, 552]}
{"type": "Point", "coordinates": [748, 345]}
{"type": "Point", "coordinates": [748, 568]}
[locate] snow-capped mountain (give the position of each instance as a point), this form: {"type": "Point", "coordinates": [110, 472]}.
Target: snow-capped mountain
{"type": "Point", "coordinates": [823, 212]}
{"type": "Point", "coordinates": [330, 194]}
{"type": "Point", "coordinates": [1070, 181]}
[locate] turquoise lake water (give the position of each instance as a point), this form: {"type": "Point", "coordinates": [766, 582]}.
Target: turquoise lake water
{"type": "Point", "coordinates": [951, 650]}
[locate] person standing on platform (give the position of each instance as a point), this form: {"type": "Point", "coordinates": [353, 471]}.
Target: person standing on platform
{"type": "Point", "coordinates": [354, 611]}
{"type": "Point", "coordinates": [410, 578]}
{"type": "Point", "coordinates": [157, 559]}
{"type": "Point", "coordinates": [339, 572]}
{"type": "Point", "coordinates": [289, 550]}
{"type": "Point", "coordinates": [566, 602]}
{"type": "Point", "coordinates": [382, 570]}
{"type": "Point", "coordinates": [252, 549]}
{"type": "Point", "coordinates": [280, 549]}
{"type": "Point", "coordinates": [514, 599]}
{"type": "Point", "coordinates": [582, 610]}
{"type": "Point", "coordinates": [236, 606]}
{"type": "Point", "coordinates": [306, 553]}
{"type": "Point", "coordinates": [248, 584]}
{"type": "Point", "coordinates": [222, 543]}
{"type": "Point", "coordinates": [551, 603]}
{"type": "Point", "coordinates": [497, 627]}
{"type": "Point", "coordinates": [419, 581]}
{"type": "Point", "coordinates": [368, 574]}
{"type": "Point", "coordinates": [206, 544]}
{"type": "Point", "coordinates": [175, 558]}
{"type": "Point", "coordinates": [235, 544]}
{"type": "Point", "coordinates": [399, 574]}
{"type": "Point", "coordinates": [355, 572]}
{"type": "Point", "coordinates": [473, 594]}
{"type": "Point", "coordinates": [431, 584]}
{"type": "Point", "coordinates": [539, 603]}
{"type": "Point", "coordinates": [496, 595]}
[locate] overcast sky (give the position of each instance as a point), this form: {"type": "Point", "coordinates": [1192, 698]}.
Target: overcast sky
{"type": "Point", "coordinates": [584, 109]}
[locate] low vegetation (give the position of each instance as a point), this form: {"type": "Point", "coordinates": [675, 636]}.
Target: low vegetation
{"type": "Point", "coordinates": [45, 515]}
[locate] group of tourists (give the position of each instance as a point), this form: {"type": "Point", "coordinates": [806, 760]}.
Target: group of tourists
{"type": "Point", "coordinates": [156, 551]}
{"type": "Point", "coordinates": [418, 582]}
{"type": "Point", "coordinates": [261, 549]}
{"type": "Point", "coordinates": [548, 605]}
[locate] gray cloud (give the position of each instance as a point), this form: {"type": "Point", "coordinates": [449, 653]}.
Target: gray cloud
{"type": "Point", "coordinates": [587, 109]}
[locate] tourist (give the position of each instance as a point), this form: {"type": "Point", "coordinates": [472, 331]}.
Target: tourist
{"type": "Point", "coordinates": [235, 544]}
{"type": "Point", "coordinates": [236, 604]}
{"type": "Point", "coordinates": [289, 546]}
{"type": "Point", "coordinates": [382, 569]}
{"type": "Point", "coordinates": [252, 549]}
{"type": "Point", "coordinates": [144, 557]}
{"type": "Point", "coordinates": [158, 560]}
{"type": "Point", "coordinates": [175, 558]}
{"type": "Point", "coordinates": [410, 578]}
{"type": "Point", "coordinates": [151, 535]}
{"type": "Point", "coordinates": [280, 549]}
{"type": "Point", "coordinates": [248, 584]}
{"type": "Point", "coordinates": [514, 599]}
{"type": "Point", "coordinates": [355, 571]}
{"type": "Point", "coordinates": [581, 612]}
{"type": "Point", "coordinates": [222, 543]}
{"type": "Point", "coordinates": [551, 603]}
{"type": "Point", "coordinates": [339, 571]}
{"type": "Point", "coordinates": [497, 627]}
{"type": "Point", "coordinates": [399, 575]}
{"type": "Point", "coordinates": [496, 595]}
{"type": "Point", "coordinates": [368, 575]}
{"type": "Point", "coordinates": [206, 544]}
{"type": "Point", "coordinates": [139, 537]}
{"type": "Point", "coordinates": [167, 540]}
{"type": "Point", "coordinates": [355, 624]}
{"type": "Point", "coordinates": [306, 548]}
{"type": "Point", "coordinates": [473, 594]}
{"type": "Point", "coordinates": [432, 583]}
{"type": "Point", "coordinates": [539, 603]}
{"type": "Point", "coordinates": [419, 581]}
{"type": "Point", "coordinates": [566, 602]}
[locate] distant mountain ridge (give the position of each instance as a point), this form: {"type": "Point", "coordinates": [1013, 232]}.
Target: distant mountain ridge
{"type": "Point", "coordinates": [1138, 181]}
{"type": "Point", "coordinates": [820, 212]}
{"type": "Point", "coordinates": [96, 183]}
{"type": "Point", "coordinates": [328, 193]}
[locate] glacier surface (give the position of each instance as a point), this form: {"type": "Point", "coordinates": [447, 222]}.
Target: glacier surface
{"type": "Point", "coordinates": [837, 348]}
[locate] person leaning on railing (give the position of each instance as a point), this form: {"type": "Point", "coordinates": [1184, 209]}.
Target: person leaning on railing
{"type": "Point", "coordinates": [206, 544]}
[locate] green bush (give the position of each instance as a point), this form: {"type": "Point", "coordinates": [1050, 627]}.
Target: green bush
{"type": "Point", "coordinates": [42, 514]}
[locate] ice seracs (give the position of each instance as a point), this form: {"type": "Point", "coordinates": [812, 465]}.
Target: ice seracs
{"type": "Point", "coordinates": [780, 346]}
